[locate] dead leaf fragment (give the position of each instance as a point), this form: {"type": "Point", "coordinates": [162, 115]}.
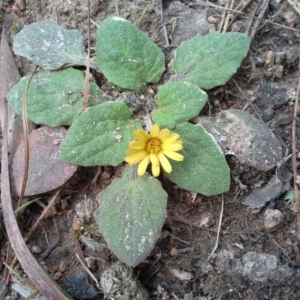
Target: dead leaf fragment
{"type": "Point", "coordinates": [182, 275]}
{"type": "Point", "coordinates": [46, 170]}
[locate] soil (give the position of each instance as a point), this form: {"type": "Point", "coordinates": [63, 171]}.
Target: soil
{"type": "Point", "coordinates": [253, 259]}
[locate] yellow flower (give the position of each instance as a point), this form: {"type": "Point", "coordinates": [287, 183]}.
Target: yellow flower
{"type": "Point", "coordinates": [155, 148]}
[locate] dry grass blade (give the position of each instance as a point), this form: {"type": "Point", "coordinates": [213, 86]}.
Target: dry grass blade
{"type": "Point", "coordinates": [26, 134]}
{"type": "Point", "coordinates": [246, 15]}
{"type": "Point", "coordinates": [163, 22]}
{"type": "Point", "coordinates": [294, 160]}
{"type": "Point", "coordinates": [219, 229]}
{"type": "Point", "coordinates": [87, 74]}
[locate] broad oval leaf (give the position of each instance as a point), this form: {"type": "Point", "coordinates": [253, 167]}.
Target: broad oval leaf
{"type": "Point", "coordinates": [178, 102]}
{"type": "Point", "coordinates": [100, 135]}
{"type": "Point", "coordinates": [54, 98]}
{"type": "Point", "coordinates": [50, 46]}
{"type": "Point", "coordinates": [204, 168]}
{"type": "Point", "coordinates": [46, 170]}
{"type": "Point", "coordinates": [126, 56]}
{"type": "Point", "coordinates": [210, 60]}
{"type": "Point", "coordinates": [131, 214]}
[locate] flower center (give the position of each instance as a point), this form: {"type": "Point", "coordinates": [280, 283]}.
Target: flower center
{"type": "Point", "coordinates": [154, 146]}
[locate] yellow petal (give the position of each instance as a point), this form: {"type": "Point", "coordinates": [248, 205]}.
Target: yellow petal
{"type": "Point", "coordinates": [137, 145]}
{"type": "Point", "coordinates": [141, 135]}
{"type": "Point", "coordinates": [164, 134]}
{"type": "Point", "coordinates": [174, 155]}
{"type": "Point", "coordinates": [154, 159]}
{"type": "Point", "coordinates": [172, 147]}
{"type": "Point", "coordinates": [143, 165]}
{"type": "Point", "coordinates": [134, 159]}
{"type": "Point", "coordinates": [155, 170]}
{"type": "Point", "coordinates": [154, 131]}
{"type": "Point", "coordinates": [165, 163]}
{"type": "Point", "coordinates": [172, 138]}
{"type": "Point", "coordinates": [133, 151]}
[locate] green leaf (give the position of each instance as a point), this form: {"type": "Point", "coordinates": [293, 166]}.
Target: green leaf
{"type": "Point", "coordinates": [126, 56]}
{"type": "Point", "coordinates": [54, 98]}
{"type": "Point", "coordinates": [131, 213]}
{"type": "Point", "coordinates": [210, 60]}
{"type": "Point", "coordinates": [100, 135]}
{"type": "Point", "coordinates": [204, 168]}
{"type": "Point", "coordinates": [178, 102]}
{"type": "Point", "coordinates": [50, 46]}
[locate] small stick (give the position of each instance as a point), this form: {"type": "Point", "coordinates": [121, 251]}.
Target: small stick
{"type": "Point", "coordinates": [26, 133]}
{"type": "Point", "coordinates": [228, 17]}
{"type": "Point", "coordinates": [219, 228]}
{"type": "Point", "coordinates": [240, 7]}
{"type": "Point", "coordinates": [257, 22]}
{"type": "Point", "coordinates": [89, 272]}
{"type": "Point", "coordinates": [294, 159]}
{"type": "Point", "coordinates": [223, 17]}
{"type": "Point", "coordinates": [163, 22]}
{"type": "Point", "coordinates": [87, 74]}
{"type": "Point", "coordinates": [246, 15]}
{"type": "Point", "coordinates": [52, 246]}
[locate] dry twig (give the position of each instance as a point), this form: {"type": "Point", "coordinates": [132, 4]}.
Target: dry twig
{"type": "Point", "coordinates": [30, 266]}
{"type": "Point", "coordinates": [246, 15]}
{"type": "Point", "coordinates": [219, 228]}
{"type": "Point", "coordinates": [87, 74]}
{"type": "Point", "coordinates": [263, 9]}
{"type": "Point", "coordinates": [163, 22]}
{"type": "Point", "coordinates": [294, 160]}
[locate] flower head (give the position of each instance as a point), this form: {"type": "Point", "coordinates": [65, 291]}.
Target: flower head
{"type": "Point", "coordinates": [155, 147]}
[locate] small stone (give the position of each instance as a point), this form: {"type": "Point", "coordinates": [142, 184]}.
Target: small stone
{"type": "Point", "coordinates": [259, 266]}
{"type": "Point", "coordinates": [174, 252]}
{"type": "Point", "coordinates": [57, 275]}
{"type": "Point", "coordinates": [77, 224]}
{"type": "Point", "coordinates": [35, 249]}
{"type": "Point", "coordinates": [206, 220]}
{"type": "Point", "coordinates": [64, 204]}
{"type": "Point", "coordinates": [238, 26]}
{"type": "Point", "coordinates": [212, 20]}
{"type": "Point", "coordinates": [269, 59]}
{"type": "Point", "coordinates": [273, 219]}
{"type": "Point", "coordinates": [90, 262]}
{"type": "Point", "coordinates": [275, 72]}
{"type": "Point", "coordinates": [62, 267]}
{"type": "Point", "coordinates": [290, 18]}
{"type": "Point", "coordinates": [280, 57]}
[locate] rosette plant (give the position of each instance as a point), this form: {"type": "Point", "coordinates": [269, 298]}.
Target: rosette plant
{"type": "Point", "coordinates": [132, 209]}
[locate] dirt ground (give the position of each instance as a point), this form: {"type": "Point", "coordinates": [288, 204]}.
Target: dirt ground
{"type": "Point", "coordinates": [250, 261]}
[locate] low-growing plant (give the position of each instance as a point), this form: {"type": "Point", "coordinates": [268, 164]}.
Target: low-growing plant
{"type": "Point", "coordinates": [140, 130]}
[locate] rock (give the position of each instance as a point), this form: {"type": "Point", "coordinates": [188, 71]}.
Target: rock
{"type": "Point", "coordinates": [223, 260]}
{"type": "Point", "coordinates": [119, 282]}
{"type": "Point", "coordinates": [269, 59]}
{"type": "Point", "coordinates": [79, 287]}
{"type": "Point", "coordinates": [62, 267]}
{"type": "Point", "coordinates": [261, 195]}
{"type": "Point", "coordinates": [206, 220]}
{"type": "Point", "coordinates": [282, 274]}
{"type": "Point", "coordinates": [183, 16]}
{"type": "Point", "coordinates": [259, 266]}
{"type": "Point", "coordinates": [272, 219]}
{"type": "Point", "coordinates": [35, 249]}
